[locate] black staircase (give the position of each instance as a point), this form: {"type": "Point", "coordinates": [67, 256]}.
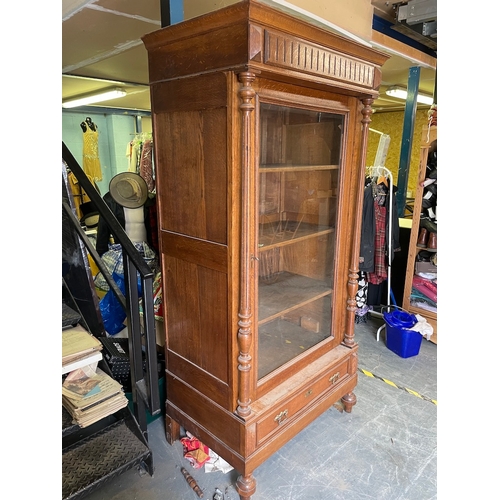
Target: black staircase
{"type": "Point", "coordinates": [93, 455]}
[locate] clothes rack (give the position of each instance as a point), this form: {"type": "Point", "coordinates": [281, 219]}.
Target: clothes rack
{"type": "Point", "coordinates": [142, 136]}
{"type": "Point", "coordinates": [376, 171]}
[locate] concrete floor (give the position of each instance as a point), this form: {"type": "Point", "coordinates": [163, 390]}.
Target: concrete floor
{"type": "Point", "coordinates": [385, 449]}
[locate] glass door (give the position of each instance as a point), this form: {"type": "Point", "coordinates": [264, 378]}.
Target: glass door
{"type": "Point", "coordinates": [300, 152]}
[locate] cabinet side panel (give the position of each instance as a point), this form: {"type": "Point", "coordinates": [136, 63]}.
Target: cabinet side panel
{"type": "Point", "coordinates": [192, 171]}
{"type": "Point", "coordinates": [197, 311]}
{"type": "Point", "coordinates": [212, 290]}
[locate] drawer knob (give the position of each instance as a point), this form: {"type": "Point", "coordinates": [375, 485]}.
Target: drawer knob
{"type": "Point", "coordinates": [280, 417]}
{"type": "Point", "coordinates": [334, 377]}
{"type": "Point", "coordinates": [308, 393]}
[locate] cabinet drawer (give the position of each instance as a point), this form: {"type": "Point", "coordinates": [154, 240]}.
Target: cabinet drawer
{"type": "Point", "coordinates": [285, 412]}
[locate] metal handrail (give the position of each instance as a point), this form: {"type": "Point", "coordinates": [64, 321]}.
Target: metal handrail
{"type": "Point", "coordinates": [104, 212]}
{"type": "Point", "coordinates": [145, 389]}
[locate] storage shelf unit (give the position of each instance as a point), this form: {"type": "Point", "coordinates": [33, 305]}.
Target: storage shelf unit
{"type": "Point", "coordinates": [428, 136]}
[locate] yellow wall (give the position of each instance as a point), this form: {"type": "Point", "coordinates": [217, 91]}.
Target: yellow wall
{"type": "Point", "coordinates": [392, 124]}
{"type": "Point", "coordinates": [355, 16]}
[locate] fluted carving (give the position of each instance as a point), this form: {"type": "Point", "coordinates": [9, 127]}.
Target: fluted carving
{"type": "Point", "coordinates": [247, 106]}
{"type": "Point", "coordinates": [352, 283]}
{"type": "Point", "coordinates": [299, 54]}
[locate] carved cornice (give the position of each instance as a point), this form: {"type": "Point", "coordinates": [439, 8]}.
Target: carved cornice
{"type": "Point", "coordinates": [294, 53]}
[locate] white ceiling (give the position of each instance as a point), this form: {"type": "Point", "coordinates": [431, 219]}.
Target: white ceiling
{"type": "Point", "coordinates": [102, 48]}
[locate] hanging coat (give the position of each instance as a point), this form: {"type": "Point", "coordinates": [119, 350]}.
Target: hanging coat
{"type": "Point", "coordinates": [368, 230]}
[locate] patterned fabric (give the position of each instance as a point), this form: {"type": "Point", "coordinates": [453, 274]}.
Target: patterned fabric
{"type": "Point", "coordinates": [113, 261]}
{"type": "Point", "coordinates": [157, 299]}
{"type": "Point", "coordinates": [380, 271]}
{"type": "Point", "coordinates": [362, 292]}
{"type": "Point", "coordinates": [362, 309]}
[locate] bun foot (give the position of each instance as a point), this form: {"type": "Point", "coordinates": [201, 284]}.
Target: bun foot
{"type": "Point", "coordinates": [349, 400]}
{"type": "Point", "coordinates": [246, 486]}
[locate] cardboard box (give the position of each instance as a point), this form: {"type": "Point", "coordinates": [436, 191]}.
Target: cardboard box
{"type": "Point", "coordinates": [425, 267]}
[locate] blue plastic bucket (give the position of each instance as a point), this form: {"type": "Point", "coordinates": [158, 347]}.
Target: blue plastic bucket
{"type": "Point", "coordinates": [398, 336]}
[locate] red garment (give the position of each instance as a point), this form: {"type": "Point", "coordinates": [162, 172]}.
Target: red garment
{"type": "Point", "coordinates": [380, 272]}
{"type": "Point", "coordinates": [146, 165]}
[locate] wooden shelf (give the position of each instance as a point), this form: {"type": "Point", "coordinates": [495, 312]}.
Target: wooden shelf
{"type": "Point", "coordinates": [293, 233]}
{"type": "Point", "coordinates": [295, 168]}
{"type": "Point", "coordinates": [287, 293]}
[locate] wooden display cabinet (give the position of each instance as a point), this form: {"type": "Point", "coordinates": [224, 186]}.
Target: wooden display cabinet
{"type": "Point", "coordinates": [429, 135]}
{"type": "Point", "coordinates": [260, 125]}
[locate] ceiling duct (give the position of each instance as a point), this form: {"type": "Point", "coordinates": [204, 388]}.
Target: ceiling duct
{"type": "Point", "coordinates": [417, 19]}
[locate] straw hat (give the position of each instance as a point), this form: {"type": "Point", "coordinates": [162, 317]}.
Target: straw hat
{"type": "Point", "coordinates": [90, 216]}
{"type": "Point", "coordinates": [129, 190]}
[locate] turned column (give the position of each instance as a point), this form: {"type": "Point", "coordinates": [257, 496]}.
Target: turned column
{"type": "Point", "coordinates": [352, 283]}
{"type": "Point", "coordinates": [246, 485]}
{"type": "Point", "coordinates": [247, 106]}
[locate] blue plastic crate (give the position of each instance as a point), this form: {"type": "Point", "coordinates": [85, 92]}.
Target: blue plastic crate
{"type": "Point", "coordinates": [398, 336]}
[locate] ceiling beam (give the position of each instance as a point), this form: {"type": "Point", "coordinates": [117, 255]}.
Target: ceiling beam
{"type": "Point", "coordinates": [397, 48]}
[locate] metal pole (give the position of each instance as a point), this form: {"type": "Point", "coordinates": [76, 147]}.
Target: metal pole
{"type": "Point", "coordinates": [407, 138]}
{"type": "Point", "coordinates": [171, 12]}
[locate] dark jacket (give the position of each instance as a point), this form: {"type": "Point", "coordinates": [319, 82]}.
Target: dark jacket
{"type": "Point", "coordinates": [150, 221]}
{"type": "Point", "coordinates": [367, 246]}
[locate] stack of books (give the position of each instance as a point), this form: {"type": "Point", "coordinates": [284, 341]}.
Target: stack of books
{"type": "Point", "coordinates": [79, 348]}
{"type": "Point", "coordinates": [88, 393]}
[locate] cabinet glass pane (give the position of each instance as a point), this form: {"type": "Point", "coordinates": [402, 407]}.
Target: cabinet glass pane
{"type": "Point", "coordinates": [297, 211]}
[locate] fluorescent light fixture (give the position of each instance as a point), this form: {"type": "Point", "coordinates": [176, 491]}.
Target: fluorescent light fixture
{"type": "Point", "coordinates": [401, 93]}
{"type": "Point", "coordinates": [93, 98]}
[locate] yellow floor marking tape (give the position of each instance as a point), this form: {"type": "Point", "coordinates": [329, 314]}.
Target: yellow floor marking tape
{"type": "Point", "coordinates": [409, 391]}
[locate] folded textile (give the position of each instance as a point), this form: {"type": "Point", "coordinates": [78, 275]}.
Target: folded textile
{"type": "Point", "coordinates": [423, 305]}
{"type": "Point", "coordinates": [419, 300]}
{"type": "Point", "coordinates": [430, 284]}
{"type": "Point", "coordinates": [425, 287]}
{"type": "Point", "coordinates": [417, 296]}
{"type": "Point", "coordinates": [428, 276]}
